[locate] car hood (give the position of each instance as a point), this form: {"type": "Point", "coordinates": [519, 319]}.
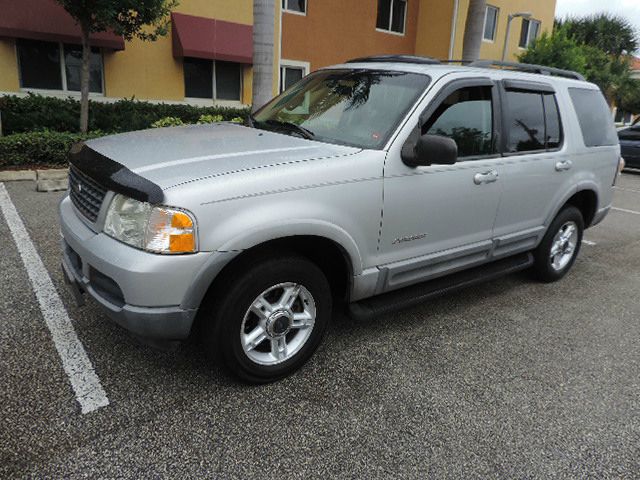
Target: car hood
{"type": "Point", "coordinates": [172, 156]}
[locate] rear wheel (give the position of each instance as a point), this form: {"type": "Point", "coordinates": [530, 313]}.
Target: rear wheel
{"type": "Point", "coordinates": [560, 246]}
{"type": "Point", "coordinates": [270, 318]}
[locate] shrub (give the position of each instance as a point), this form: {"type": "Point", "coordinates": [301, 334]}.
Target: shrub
{"type": "Point", "coordinates": [210, 119]}
{"type": "Point", "coordinates": [167, 122]}
{"type": "Point", "coordinates": [39, 148]}
{"type": "Point", "coordinates": [38, 113]}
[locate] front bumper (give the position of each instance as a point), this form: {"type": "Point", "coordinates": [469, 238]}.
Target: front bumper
{"type": "Point", "coordinates": [140, 291]}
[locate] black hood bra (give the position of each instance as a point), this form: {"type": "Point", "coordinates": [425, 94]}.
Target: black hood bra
{"type": "Point", "coordinates": [113, 175]}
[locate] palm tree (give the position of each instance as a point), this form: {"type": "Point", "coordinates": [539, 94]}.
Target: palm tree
{"type": "Point", "coordinates": [263, 56]}
{"type": "Point", "coordinates": [473, 30]}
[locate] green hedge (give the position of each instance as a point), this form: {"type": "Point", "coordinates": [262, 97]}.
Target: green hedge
{"type": "Point", "coordinates": [39, 113]}
{"type": "Point", "coordinates": [47, 148]}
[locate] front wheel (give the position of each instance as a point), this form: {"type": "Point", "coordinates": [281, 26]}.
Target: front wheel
{"type": "Point", "coordinates": [270, 318]}
{"type": "Point", "coordinates": [560, 246]}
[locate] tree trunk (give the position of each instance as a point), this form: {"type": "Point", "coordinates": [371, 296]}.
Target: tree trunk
{"type": "Point", "coordinates": [473, 30]}
{"type": "Point", "coordinates": [84, 81]}
{"type": "Point", "coordinates": [263, 56]}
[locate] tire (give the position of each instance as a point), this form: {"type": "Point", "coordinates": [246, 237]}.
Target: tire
{"type": "Point", "coordinates": [251, 341]}
{"type": "Point", "coordinates": [557, 252]}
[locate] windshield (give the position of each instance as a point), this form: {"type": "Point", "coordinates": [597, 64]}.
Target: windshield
{"type": "Point", "coordinates": [360, 108]}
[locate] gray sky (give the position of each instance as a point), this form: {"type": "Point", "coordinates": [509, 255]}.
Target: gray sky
{"type": "Point", "coordinates": [627, 8]}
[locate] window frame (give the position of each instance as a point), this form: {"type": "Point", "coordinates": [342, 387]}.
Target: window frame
{"type": "Point", "coordinates": [295, 12]}
{"type": "Point", "coordinates": [294, 64]}
{"type": "Point", "coordinates": [495, 26]}
{"type": "Point", "coordinates": [530, 22]}
{"type": "Point", "coordinates": [404, 21]}
{"type": "Point", "coordinates": [526, 86]}
{"type": "Point", "coordinates": [63, 74]}
{"type": "Point", "coordinates": [441, 96]}
{"type": "Point", "coordinates": [214, 92]}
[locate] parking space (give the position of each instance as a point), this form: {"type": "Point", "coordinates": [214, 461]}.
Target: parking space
{"type": "Point", "coordinates": [506, 379]}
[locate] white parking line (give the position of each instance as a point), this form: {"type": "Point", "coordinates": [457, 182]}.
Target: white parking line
{"type": "Point", "coordinates": [76, 363]}
{"type": "Point", "coordinates": [625, 210]}
{"type": "Point", "coordinates": [589, 242]}
{"type": "Point", "coordinates": [627, 189]}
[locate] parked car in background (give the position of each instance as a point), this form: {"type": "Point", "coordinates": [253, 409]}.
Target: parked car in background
{"type": "Point", "coordinates": [630, 144]}
{"type": "Point", "coordinates": [371, 185]}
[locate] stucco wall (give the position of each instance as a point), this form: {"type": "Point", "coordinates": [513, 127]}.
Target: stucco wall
{"type": "Point", "coordinates": [543, 10]}
{"type": "Point", "coordinates": [337, 30]}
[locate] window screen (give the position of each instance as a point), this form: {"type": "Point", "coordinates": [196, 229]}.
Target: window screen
{"type": "Point", "coordinates": [198, 78]}
{"type": "Point", "coordinates": [295, 5]}
{"type": "Point", "coordinates": [594, 117]}
{"type": "Point", "coordinates": [391, 15]}
{"type": "Point", "coordinates": [466, 116]}
{"type": "Point", "coordinates": [228, 80]}
{"type": "Point", "coordinates": [289, 76]}
{"type": "Point", "coordinates": [490, 23]}
{"type": "Point", "coordinates": [73, 67]}
{"type": "Point", "coordinates": [39, 64]}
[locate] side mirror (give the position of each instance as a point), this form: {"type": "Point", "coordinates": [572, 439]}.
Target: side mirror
{"type": "Point", "coordinates": [432, 150]}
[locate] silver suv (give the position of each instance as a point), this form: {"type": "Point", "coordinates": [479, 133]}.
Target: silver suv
{"type": "Point", "coordinates": [372, 185]}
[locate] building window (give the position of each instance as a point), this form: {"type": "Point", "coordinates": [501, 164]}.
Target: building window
{"type": "Point", "coordinates": [530, 31]}
{"type": "Point", "coordinates": [392, 15]}
{"type": "Point", "coordinates": [295, 6]}
{"type": "Point", "coordinates": [214, 80]}
{"type": "Point", "coordinates": [291, 73]}
{"type": "Point", "coordinates": [490, 23]}
{"type": "Point", "coordinates": [54, 66]}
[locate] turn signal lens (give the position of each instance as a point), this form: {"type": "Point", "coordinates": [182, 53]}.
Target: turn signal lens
{"type": "Point", "coordinates": [151, 228]}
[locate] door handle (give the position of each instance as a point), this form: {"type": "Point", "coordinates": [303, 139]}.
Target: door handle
{"type": "Point", "coordinates": [564, 165]}
{"type": "Point", "coordinates": [485, 177]}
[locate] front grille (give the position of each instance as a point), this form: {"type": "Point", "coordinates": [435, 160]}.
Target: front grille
{"type": "Point", "coordinates": [86, 194]}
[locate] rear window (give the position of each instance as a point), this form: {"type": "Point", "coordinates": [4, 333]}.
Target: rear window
{"type": "Point", "coordinates": [594, 116]}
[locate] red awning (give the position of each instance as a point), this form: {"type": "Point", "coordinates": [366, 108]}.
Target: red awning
{"type": "Point", "coordinates": [47, 20]}
{"type": "Point", "coordinates": [213, 39]}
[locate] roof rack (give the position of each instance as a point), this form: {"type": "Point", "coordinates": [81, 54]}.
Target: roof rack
{"type": "Point", "coordinates": [396, 59]}
{"type": "Point", "coordinates": [526, 67]}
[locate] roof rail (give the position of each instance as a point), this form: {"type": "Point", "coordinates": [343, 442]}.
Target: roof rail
{"type": "Point", "coordinates": [526, 67]}
{"type": "Point", "coordinates": [396, 59]}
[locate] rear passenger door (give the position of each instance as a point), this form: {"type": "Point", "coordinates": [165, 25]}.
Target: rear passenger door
{"type": "Point", "coordinates": [536, 165]}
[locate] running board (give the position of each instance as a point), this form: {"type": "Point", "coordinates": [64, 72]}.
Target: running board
{"type": "Point", "coordinates": [416, 294]}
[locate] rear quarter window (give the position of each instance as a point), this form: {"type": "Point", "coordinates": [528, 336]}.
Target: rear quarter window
{"type": "Point", "coordinates": [594, 116]}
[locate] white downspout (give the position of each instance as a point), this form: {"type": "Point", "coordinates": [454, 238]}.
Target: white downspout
{"type": "Point", "coordinates": [454, 24]}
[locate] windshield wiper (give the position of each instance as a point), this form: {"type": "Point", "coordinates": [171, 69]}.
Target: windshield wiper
{"type": "Point", "coordinates": [291, 127]}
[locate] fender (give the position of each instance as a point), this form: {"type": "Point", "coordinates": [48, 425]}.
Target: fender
{"type": "Point", "coordinates": [257, 236]}
{"type": "Point", "coordinates": [579, 187]}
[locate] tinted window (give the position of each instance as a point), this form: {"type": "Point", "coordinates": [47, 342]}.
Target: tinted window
{"type": "Point", "coordinates": [466, 116]}
{"type": "Point", "coordinates": [490, 23]}
{"type": "Point", "coordinates": [198, 78]}
{"type": "Point", "coordinates": [391, 15]}
{"type": "Point", "coordinates": [350, 107]}
{"type": "Point", "coordinates": [594, 116]}
{"type": "Point", "coordinates": [525, 117]}
{"type": "Point", "coordinates": [290, 76]}
{"type": "Point", "coordinates": [39, 64]}
{"type": "Point", "coordinates": [228, 80]}
{"type": "Point", "coordinates": [73, 66]}
{"type": "Point", "coordinates": [553, 123]}
{"type": "Point", "coordinates": [295, 5]}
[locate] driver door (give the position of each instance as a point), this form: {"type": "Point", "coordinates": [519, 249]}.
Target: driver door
{"type": "Point", "coordinates": [438, 219]}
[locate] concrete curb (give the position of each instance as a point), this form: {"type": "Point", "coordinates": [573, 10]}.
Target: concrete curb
{"type": "Point", "coordinates": [17, 175]}
{"type": "Point", "coordinates": [52, 180]}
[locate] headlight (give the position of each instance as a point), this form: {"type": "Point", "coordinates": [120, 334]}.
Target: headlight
{"type": "Point", "coordinates": [156, 229]}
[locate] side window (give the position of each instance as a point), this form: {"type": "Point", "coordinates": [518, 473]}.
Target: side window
{"type": "Point", "coordinates": [466, 116]}
{"type": "Point", "coordinates": [594, 116]}
{"type": "Point", "coordinates": [553, 123]}
{"type": "Point", "coordinates": [525, 127]}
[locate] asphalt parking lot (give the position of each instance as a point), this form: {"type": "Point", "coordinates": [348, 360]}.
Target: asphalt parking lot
{"type": "Point", "coordinates": [510, 379]}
